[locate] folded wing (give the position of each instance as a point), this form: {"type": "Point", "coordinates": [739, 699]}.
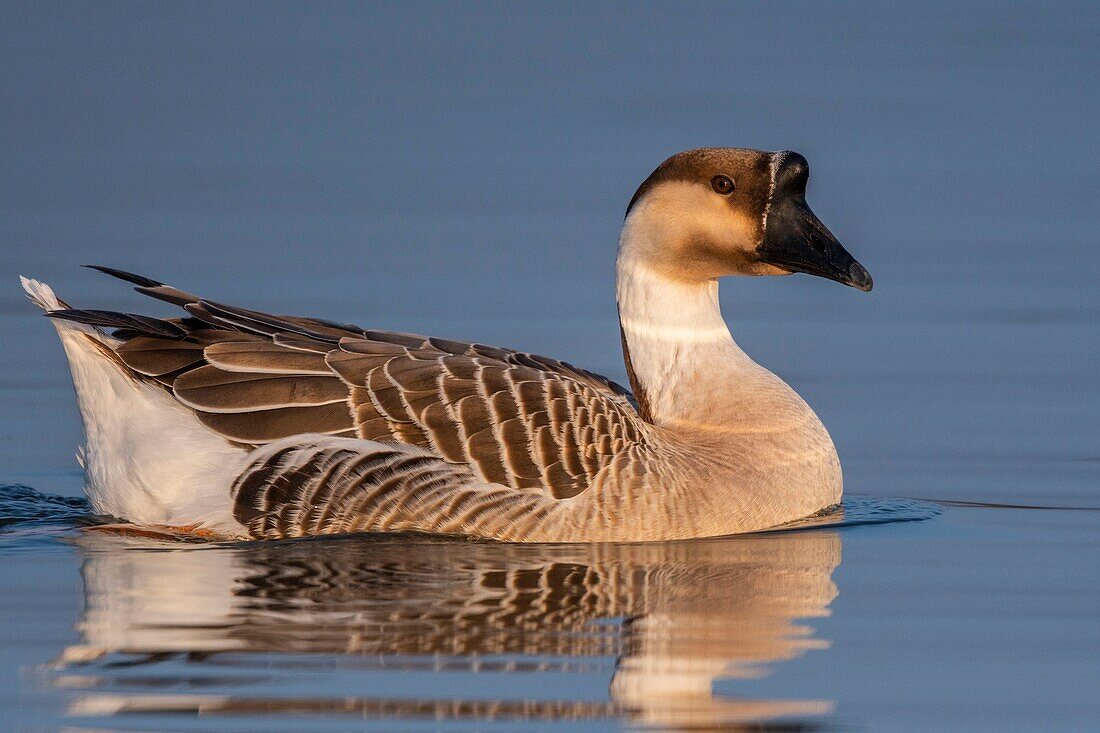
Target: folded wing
{"type": "Point", "coordinates": [513, 418]}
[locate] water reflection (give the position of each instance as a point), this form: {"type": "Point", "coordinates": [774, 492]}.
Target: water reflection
{"type": "Point", "coordinates": [199, 629]}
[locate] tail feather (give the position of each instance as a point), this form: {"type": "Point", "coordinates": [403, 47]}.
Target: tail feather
{"type": "Point", "coordinates": [42, 295]}
{"type": "Point", "coordinates": [147, 457]}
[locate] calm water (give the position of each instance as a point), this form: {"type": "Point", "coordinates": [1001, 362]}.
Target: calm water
{"type": "Point", "coordinates": [462, 171]}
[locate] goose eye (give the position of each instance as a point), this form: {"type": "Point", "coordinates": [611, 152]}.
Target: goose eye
{"type": "Point", "coordinates": [722, 184]}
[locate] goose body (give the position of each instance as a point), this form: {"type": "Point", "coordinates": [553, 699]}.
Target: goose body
{"type": "Point", "coordinates": [239, 423]}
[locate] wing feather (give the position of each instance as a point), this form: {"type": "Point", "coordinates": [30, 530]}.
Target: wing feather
{"type": "Point", "coordinates": [514, 423]}
{"type": "Point", "coordinates": [155, 357]}
{"type": "Point", "coordinates": [211, 389]}
{"type": "Point", "coordinates": [265, 426]}
{"type": "Point", "coordinates": [518, 419]}
{"type": "Point", "coordinates": [265, 357]}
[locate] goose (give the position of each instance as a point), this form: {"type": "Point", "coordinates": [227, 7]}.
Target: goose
{"type": "Point", "coordinates": [234, 423]}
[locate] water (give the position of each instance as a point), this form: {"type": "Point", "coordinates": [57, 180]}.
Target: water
{"type": "Point", "coordinates": [462, 171]}
{"type": "Point", "coordinates": [868, 617]}
{"type": "Point", "coordinates": [409, 629]}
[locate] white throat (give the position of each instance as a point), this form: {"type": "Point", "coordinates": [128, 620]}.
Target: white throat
{"type": "Point", "coordinates": [686, 369]}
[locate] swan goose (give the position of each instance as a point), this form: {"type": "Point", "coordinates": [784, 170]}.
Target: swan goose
{"type": "Point", "coordinates": [230, 422]}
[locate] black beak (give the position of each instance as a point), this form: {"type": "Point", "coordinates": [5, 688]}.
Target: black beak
{"type": "Point", "coordinates": [796, 240]}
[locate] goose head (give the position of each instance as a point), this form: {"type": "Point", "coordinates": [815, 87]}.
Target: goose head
{"type": "Point", "coordinates": [711, 212]}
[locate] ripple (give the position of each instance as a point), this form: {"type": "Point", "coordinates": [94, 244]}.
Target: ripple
{"type": "Point", "coordinates": [857, 510]}
{"type": "Point", "coordinates": [23, 505]}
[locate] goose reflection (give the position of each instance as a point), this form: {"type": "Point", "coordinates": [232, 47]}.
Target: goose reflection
{"type": "Point", "coordinates": [664, 621]}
